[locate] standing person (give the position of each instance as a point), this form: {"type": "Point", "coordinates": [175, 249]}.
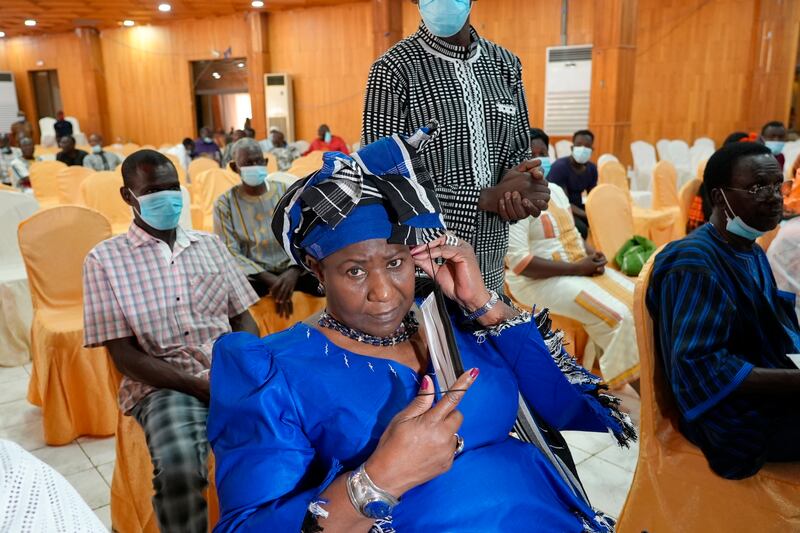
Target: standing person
{"type": "Point", "coordinates": [242, 220]}
{"type": "Point", "coordinates": [445, 72]}
{"type": "Point", "coordinates": [21, 129]}
{"type": "Point", "coordinates": [205, 145]}
{"type": "Point", "coordinates": [327, 142]}
{"type": "Point", "coordinates": [8, 154]}
{"type": "Point", "coordinates": [99, 159]}
{"type": "Point", "coordinates": [69, 155]}
{"type": "Point", "coordinates": [576, 175]}
{"type": "Point", "coordinates": [20, 167]}
{"type": "Point", "coordinates": [62, 127]}
{"type": "Point", "coordinates": [157, 298]}
{"type": "Point", "coordinates": [773, 134]}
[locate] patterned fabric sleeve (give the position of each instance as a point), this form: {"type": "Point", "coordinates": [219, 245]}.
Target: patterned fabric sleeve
{"type": "Point", "coordinates": [385, 104]}
{"type": "Point", "coordinates": [522, 145]}
{"type": "Point", "coordinates": [225, 230]}
{"type": "Point", "coordinates": [103, 318]}
{"type": "Point", "coordinates": [240, 293]}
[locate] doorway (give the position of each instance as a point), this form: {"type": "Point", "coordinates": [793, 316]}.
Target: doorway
{"type": "Point", "coordinates": [222, 99]}
{"type": "Point", "coordinates": [47, 92]}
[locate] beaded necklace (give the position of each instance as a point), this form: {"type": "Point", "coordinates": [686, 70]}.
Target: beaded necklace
{"type": "Point", "coordinates": [407, 329]}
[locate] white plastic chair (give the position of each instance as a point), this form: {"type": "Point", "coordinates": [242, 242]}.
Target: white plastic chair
{"type": "Point", "coordinates": [16, 309]}
{"type": "Point", "coordinates": [644, 159]}
{"type": "Point", "coordinates": [47, 131]}
{"type": "Point", "coordinates": [605, 157]}
{"type": "Point", "coordinates": [563, 148]}
{"type": "Point", "coordinates": [662, 147]}
{"type": "Point", "coordinates": [680, 157]}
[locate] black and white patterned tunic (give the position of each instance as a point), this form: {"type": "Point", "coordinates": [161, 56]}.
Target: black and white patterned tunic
{"type": "Point", "coordinates": [477, 97]}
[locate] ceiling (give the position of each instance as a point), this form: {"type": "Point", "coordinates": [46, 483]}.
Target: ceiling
{"type": "Point", "coordinates": [53, 16]}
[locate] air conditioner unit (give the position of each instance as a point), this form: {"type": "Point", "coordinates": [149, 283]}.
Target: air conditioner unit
{"type": "Point", "coordinates": [280, 103]}
{"type": "Point", "coordinates": [568, 86]}
{"type": "Point", "coordinates": [9, 106]}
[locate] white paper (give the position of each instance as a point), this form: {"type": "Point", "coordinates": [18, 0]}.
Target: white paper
{"type": "Point", "coordinates": [437, 343]}
{"type": "Point", "coordinates": [795, 357]}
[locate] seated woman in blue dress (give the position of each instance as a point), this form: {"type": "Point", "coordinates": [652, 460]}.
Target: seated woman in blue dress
{"type": "Point", "coordinates": [339, 424]}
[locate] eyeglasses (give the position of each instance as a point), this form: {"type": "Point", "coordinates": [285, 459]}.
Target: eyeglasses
{"type": "Point", "coordinates": [765, 193]}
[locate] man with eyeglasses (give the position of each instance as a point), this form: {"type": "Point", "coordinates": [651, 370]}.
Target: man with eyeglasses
{"type": "Point", "coordinates": [723, 330]}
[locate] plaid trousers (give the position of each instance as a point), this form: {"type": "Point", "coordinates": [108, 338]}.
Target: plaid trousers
{"type": "Point", "coordinates": [175, 427]}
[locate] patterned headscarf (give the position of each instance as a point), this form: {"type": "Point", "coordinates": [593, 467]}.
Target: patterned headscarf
{"type": "Point", "coordinates": [382, 191]}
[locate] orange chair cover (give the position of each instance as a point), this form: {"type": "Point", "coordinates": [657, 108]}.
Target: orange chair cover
{"type": "Point", "coordinates": [272, 163]}
{"type": "Point", "coordinates": [686, 196]}
{"type": "Point", "coordinates": [132, 483]}
{"type": "Point", "coordinates": [303, 166]}
{"type": "Point", "coordinates": [608, 209]}
{"type": "Point", "coordinates": [613, 173]}
{"type": "Point", "coordinates": [269, 321]}
{"type": "Point", "coordinates": [178, 167]}
{"type": "Point", "coordinates": [201, 164]}
{"type": "Point", "coordinates": [665, 195]}
{"type": "Point", "coordinates": [68, 381]}
{"type": "Point", "coordinates": [128, 148]}
{"type": "Point", "coordinates": [100, 191]}
{"type": "Point", "coordinates": [658, 226]}
{"type": "Point", "coordinates": [69, 183]}
{"type": "Point", "coordinates": [44, 182]}
{"type": "Point", "coordinates": [673, 489]}
{"type": "Point", "coordinates": [208, 186]}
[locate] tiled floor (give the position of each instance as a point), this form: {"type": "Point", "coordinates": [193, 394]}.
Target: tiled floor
{"type": "Point", "coordinates": [88, 464]}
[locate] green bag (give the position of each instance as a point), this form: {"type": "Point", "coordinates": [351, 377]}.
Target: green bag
{"type": "Point", "coordinates": [634, 254]}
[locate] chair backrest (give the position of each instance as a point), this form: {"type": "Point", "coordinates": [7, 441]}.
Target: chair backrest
{"type": "Point", "coordinates": [186, 213]}
{"type": "Point", "coordinates": [14, 208]}
{"type": "Point", "coordinates": [76, 124]}
{"type": "Point", "coordinates": [178, 166]}
{"type": "Point", "coordinates": [128, 148]}
{"type": "Point", "coordinates": [283, 177]}
{"type": "Point", "coordinates": [705, 143]}
{"type": "Point", "coordinates": [665, 185]}
{"type": "Point", "coordinates": [701, 169]}
{"type": "Point", "coordinates": [679, 154]}
{"type": "Point", "coordinates": [207, 187]}
{"type": "Point", "coordinates": [272, 163]}
{"type": "Point", "coordinates": [54, 243]}
{"type": "Point", "coordinates": [698, 154]}
{"type": "Point", "coordinates": [201, 164]}
{"type": "Point", "coordinates": [605, 157]}
{"type": "Point", "coordinates": [303, 166]}
{"type": "Point", "coordinates": [662, 147]}
{"type": "Point", "coordinates": [686, 196]}
{"type": "Point", "coordinates": [613, 173]}
{"type": "Point", "coordinates": [301, 145]}
{"type": "Point", "coordinates": [563, 148]}
{"type": "Point", "coordinates": [644, 159]}
{"type": "Point", "coordinates": [100, 191]}
{"type": "Point", "coordinates": [609, 211]}
{"type": "Point", "coordinates": [69, 183]}
{"type": "Point", "coordinates": [43, 179]}
{"type": "Point", "coordinates": [47, 126]}
{"type": "Point", "coordinates": [791, 151]}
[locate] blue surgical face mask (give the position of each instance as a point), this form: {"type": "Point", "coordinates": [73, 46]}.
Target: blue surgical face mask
{"type": "Point", "coordinates": [546, 164]}
{"type": "Point", "coordinates": [253, 175]}
{"type": "Point", "coordinates": [581, 154]}
{"type": "Point", "coordinates": [739, 227]}
{"type": "Point", "coordinates": [96, 149]}
{"type": "Point", "coordinates": [444, 18]}
{"type": "Point", "coordinates": [160, 210]}
{"type": "Point", "coordinates": [328, 136]}
{"type": "Point", "coordinates": [775, 146]}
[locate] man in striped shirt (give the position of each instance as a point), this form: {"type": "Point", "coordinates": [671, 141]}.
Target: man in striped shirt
{"type": "Point", "coordinates": [722, 328]}
{"type": "Point", "coordinates": [479, 161]}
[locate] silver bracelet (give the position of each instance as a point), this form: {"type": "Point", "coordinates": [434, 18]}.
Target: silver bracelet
{"type": "Point", "coordinates": [485, 308]}
{"type": "Point", "coordinates": [368, 499]}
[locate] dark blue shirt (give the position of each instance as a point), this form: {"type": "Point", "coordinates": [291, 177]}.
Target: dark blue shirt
{"type": "Point", "coordinates": [718, 314]}
{"type": "Point", "coordinates": [562, 173]}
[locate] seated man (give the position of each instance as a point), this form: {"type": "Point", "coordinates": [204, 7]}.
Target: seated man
{"type": "Point", "coordinates": [204, 146]}
{"type": "Point", "coordinates": [243, 218]}
{"type": "Point", "coordinates": [69, 155]}
{"type": "Point", "coordinates": [576, 175]}
{"type": "Point", "coordinates": [158, 297]}
{"type": "Point", "coordinates": [773, 134]}
{"type": "Point", "coordinates": [99, 159]}
{"type": "Point", "coordinates": [722, 327]}
{"type": "Point", "coordinates": [20, 167]}
{"type": "Point", "coordinates": [551, 266]}
{"type": "Point", "coordinates": [327, 142]}
{"type": "Point", "coordinates": [283, 152]}
{"type": "Point", "coordinates": [227, 153]}
{"type": "Point", "coordinates": [8, 154]}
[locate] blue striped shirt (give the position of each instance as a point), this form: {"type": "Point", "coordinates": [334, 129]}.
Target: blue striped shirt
{"type": "Point", "coordinates": [718, 314]}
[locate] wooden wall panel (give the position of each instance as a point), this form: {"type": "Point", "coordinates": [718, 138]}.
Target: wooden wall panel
{"type": "Point", "coordinates": [328, 51]}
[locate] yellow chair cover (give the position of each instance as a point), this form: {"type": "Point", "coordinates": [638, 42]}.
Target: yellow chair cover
{"type": "Point", "coordinates": [101, 192]}
{"type": "Point", "coordinates": [128, 148]}
{"type": "Point", "coordinates": [613, 173]}
{"type": "Point", "coordinates": [68, 381]}
{"type": "Point", "coordinates": [44, 182]}
{"type": "Point", "coordinates": [303, 166]}
{"type": "Point", "coordinates": [765, 240]}
{"type": "Point", "coordinates": [673, 489]}
{"type": "Point", "coordinates": [201, 164]}
{"type": "Point", "coordinates": [132, 483]}
{"type": "Point", "coordinates": [686, 196]}
{"type": "Point", "coordinates": [608, 209]}
{"type": "Point", "coordinates": [270, 322]}
{"type": "Point", "coordinates": [178, 167]}
{"type": "Point", "coordinates": [665, 194]}
{"type": "Point", "coordinates": [7, 188]}
{"type": "Point", "coordinates": [40, 150]}
{"type": "Point", "coordinates": [272, 163]}
{"type": "Point", "coordinates": [69, 183]}
{"type": "Point", "coordinates": [208, 186]}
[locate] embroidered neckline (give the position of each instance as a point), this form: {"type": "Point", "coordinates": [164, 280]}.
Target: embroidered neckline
{"type": "Point", "coordinates": [447, 49]}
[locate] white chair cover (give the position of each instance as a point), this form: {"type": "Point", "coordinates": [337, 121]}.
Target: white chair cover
{"type": "Point", "coordinates": [283, 177]}
{"type": "Point", "coordinates": [682, 159]}
{"type": "Point", "coordinates": [16, 309]}
{"type": "Point", "coordinates": [563, 148]}
{"type": "Point", "coordinates": [662, 146]}
{"type": "Point", "coordinates": [644, 159]}
{"type": "Point", "coordinates": [791, 151]}
{"type": "Point", "coordinates": [784, 258]}
{"type": "Point", "coordinates": [301, 145]}
{"type": "Point", "coordinates": [705, 142]}
{"type": "Point", "coordinates": [605, 157]}
{"type": "Point", "coordinates": [699, 153]}
{"type": "Point", "coordinates": [47, 131]}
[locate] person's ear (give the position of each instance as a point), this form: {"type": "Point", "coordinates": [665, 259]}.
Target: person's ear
{"type": "Point", "coordinates": [716, 197]}
{"type": "Point", "coordinates": [234, 166]}
{"type": "Point", "coordinates": [316, 268]}
{"type": "Point", "coordinates": [126, 195]}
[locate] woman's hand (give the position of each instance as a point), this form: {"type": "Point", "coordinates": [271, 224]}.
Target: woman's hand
{"type": "Point", "coordinates": [419, 444]}
{"type": "Point", "coordinates": [459, 277]}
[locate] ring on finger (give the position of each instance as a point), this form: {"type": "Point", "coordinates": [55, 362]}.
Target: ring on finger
{"type": "Point", "coordinates": [450, 239]}
{"type": "Point", "coordinates": [459, 444]}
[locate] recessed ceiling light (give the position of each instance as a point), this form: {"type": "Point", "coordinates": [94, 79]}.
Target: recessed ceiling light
{"type": "Point", "coordinates": [30, 22]}
{"type": "Point", "coordinates": [216, 75]}
{"type": "Point", "coordinates": [164, 8]}
{"type": "Point", "coordinates": [240, 65]}
{"type": "Point", "coordinates": [2, 34]}
{"type": "Point", "coordinates": [257, 3]}
{"type": "Point", "coordinates": [128, 23]}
